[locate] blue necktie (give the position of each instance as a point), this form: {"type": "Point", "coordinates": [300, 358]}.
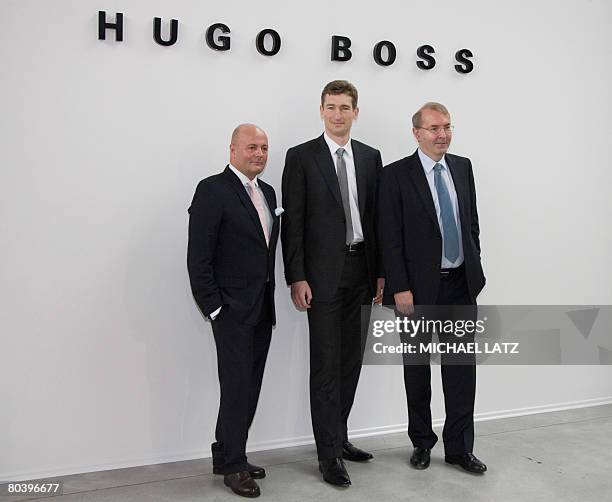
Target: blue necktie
{"type": "Point", "coordinates": [450, 235]}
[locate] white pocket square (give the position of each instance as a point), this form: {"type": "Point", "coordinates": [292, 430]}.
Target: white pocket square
{"type": "Point", "coordinates": [278, 211]}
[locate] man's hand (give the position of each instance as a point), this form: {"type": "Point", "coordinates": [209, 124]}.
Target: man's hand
{"type": "Point", "coordinates": [301, 295]}
{"type": "Point", "coordinates": [404, 302]}
{"type": "Point", "coordinates": [380, 286]}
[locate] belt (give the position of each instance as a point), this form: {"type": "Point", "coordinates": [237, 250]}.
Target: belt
{"type": "Point", "coordinates": [446, 273]}
{"type": "Point", "coordinates": [354, 247]}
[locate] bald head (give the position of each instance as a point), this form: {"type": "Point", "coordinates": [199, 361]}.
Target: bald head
{"type": "Point", "coordinates": [249, 150]}
{"type": "Point", "coordinates": [245, 129]}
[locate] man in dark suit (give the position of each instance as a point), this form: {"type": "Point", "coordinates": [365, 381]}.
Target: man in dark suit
{"type": "Point", "coordinates": [429, 238]}
{"type": "Point", "coordinates": [332, 265]}
{"type": "Point", "coordinates": [233, 230]}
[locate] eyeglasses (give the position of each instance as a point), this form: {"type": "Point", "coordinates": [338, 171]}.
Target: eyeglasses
{"type": "Point", "coordinates": [448, 129]}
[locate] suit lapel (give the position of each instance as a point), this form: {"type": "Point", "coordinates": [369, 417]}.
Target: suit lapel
{"type": "Point", "coordinates": [246, 200]}
{"type": "Point", "coordinates": [328, 170]}
{"type": "Point", "coordinates": [420, 180]}
{"type": "Point", "coordinates": [362, 176]}
{"type": "Point", "coordinates": [271, 200]}
{"type": "Point", "coordinates": [461, 189]}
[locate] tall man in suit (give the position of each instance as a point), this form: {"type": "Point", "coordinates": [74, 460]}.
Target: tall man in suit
{"type": "Point", "coordinates": [332, 265]}
{"type": "Point", "coordinates": [233, 230]}
{"type": "Point", "coordinates": [429, 238]}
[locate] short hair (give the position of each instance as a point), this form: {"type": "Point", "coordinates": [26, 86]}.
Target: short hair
{"type": "Point", "coordinates": [336, 87]}
{"type": "Point", "coordinates": [432, 105]}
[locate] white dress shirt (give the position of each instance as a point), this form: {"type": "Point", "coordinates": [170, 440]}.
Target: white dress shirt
{"type": "Point", "coordinates": [244, 180]}
{"type": "Point", "coordinates": [349, 160]}
{"type": "Point", "coordinates": [428, 166]}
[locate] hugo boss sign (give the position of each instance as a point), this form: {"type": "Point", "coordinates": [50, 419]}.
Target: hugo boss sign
{"type": "Point", "coordinates": [268, 43]}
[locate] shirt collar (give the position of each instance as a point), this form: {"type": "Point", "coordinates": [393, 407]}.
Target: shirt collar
{"type": "Point", "coordinates": [428, 163]}
{"type": "Point", "coordinates": [333, 146]}
{"type": "Point", "coordinates": [243, 179]}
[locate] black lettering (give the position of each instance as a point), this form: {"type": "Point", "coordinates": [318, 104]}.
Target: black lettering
{"type": "Point", "coordinates": [466, 65]}
{"type": "Point", "coordinates": [391, 53]}
{"type": "Point", "coordinates": [340, 48]}
{"type": "Point", "coordinates": [428, 62]}
{"type": "Point", "coordinates": [104, 25]}
{"type": "Point", "coordinates": [222, 43]}
{"type": "Point", "coordinates": [260, 42]}
{"type": "Point", "coordinates": [157, 22]}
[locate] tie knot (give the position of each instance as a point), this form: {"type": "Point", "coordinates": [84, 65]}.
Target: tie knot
{"type": "Point", "coordinates": [438, 167]}
{"type": "Point", "coordinates": [340, 152]}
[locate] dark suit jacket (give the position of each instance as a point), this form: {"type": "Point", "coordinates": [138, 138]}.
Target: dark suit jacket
{"type": "Point", "coordinates": [227, 257]}
{"type": "Point", "coordinates": [313, 227]}
{"type": "Point", "coordinates": [410, 237]}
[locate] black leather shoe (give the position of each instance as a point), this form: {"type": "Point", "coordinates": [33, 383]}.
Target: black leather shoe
{"type": "Point", "coordinates": [420, 458]}
{"type": "Point", "coordinates": [242, 484]}
{"type": "Point", "coordinates": [468, 462]}
{"type": "Point", "coordinates": [334, 472]}
{"type": "Point", "coordinates": [255, 471]}
{"type": "Point", "coordinates": [351, 452]}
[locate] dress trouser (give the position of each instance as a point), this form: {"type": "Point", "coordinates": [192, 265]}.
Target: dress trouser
{"type": "Point", "coordinates": [458, 378]}
{"type": "Point", "coordinates": [336, 352]}
{"type": "Point", "coordinates": [241, 357]}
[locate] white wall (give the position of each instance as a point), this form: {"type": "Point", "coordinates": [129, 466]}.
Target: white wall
{"type": "Point", "coordinates": [106, 360]}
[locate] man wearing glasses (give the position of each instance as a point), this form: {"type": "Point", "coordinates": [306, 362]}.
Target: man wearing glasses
{"type": "Point", "coordinates": [429, 240]}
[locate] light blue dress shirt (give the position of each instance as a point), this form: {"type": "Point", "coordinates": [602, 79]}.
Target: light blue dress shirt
{"type": "Point", "coordinates": [428, 166]}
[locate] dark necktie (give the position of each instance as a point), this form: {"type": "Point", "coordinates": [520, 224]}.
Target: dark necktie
{"type": "Point", "coordinates": [344, 193]}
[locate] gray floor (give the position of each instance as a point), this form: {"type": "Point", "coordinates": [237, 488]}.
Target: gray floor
{"type": "Point", "coordinates": [559, 456]}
